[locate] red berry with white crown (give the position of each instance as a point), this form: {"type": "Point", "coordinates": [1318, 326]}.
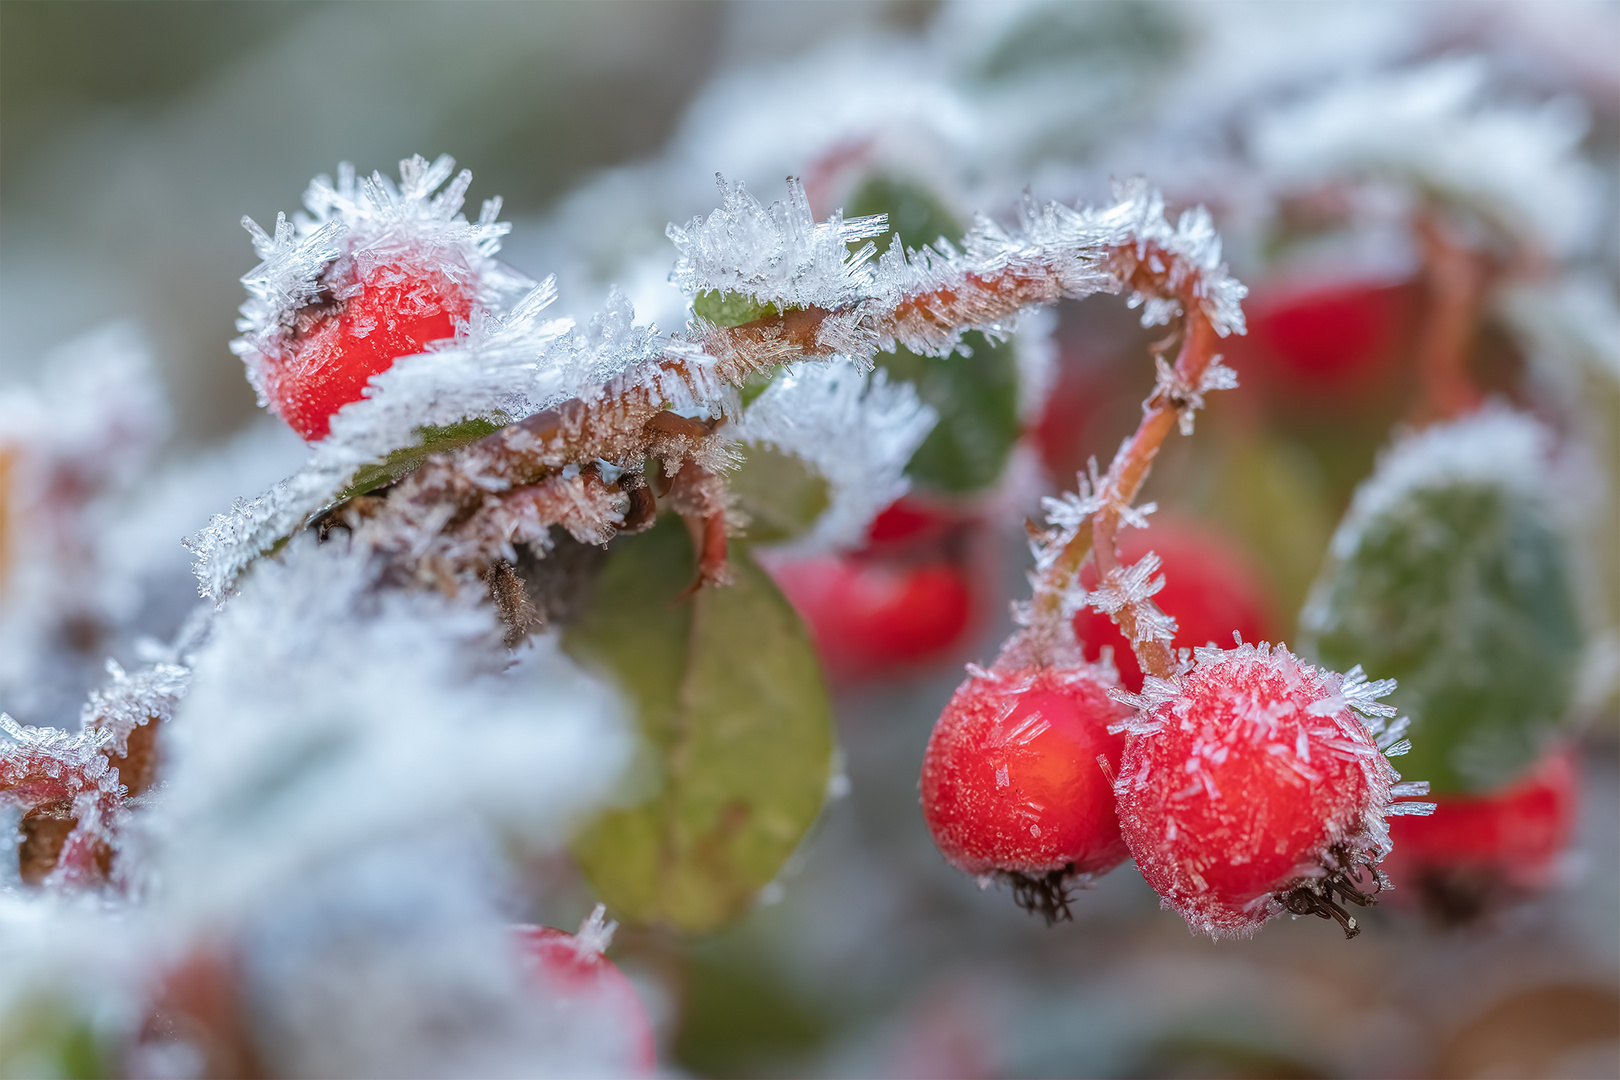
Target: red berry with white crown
{"type": "Point", "coordinates": [575, 973]}
{"type": "Point", "coordinates": [375, 271]}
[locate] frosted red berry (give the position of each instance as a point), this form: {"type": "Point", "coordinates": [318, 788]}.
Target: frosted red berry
{"type": "Point", "coordinates": [1212, 589]}
{"type": "Point", "coordinates": [1250, 787]}
{"type": "Point", "coordinates": [1475, 851]}
{"type": "Point", "coordinates": [573, 972]}
{"type": "Point", "coordinates": [1012, 784]}
{"type": "Point", "coordinates": [903, 601]}
{"type": "Point", "coordinates": [335, 347]}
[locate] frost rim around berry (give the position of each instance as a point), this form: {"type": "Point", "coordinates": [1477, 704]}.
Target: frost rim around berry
{"type": "Point", "coordinates": [372, 221]}
{"type": "Point", "coordinates": [1364, 730]}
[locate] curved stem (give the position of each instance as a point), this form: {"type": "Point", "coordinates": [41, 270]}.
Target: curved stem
{"type": "Point", "coordinates": [1129, 470]}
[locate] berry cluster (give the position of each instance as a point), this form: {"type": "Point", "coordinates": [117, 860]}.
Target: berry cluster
{"type": "Point", "coordinates": [1250, 785]}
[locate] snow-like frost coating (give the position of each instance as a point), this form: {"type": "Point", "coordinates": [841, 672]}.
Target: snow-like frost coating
{"type": "Point", "coordinates": [856, 430]}
{"type": "Point", "coordinates": [1495, 446]}
{"type": "Point", "coordinates": [383, 724]}
{"type": "Point", "coordinates": [1434, 127]}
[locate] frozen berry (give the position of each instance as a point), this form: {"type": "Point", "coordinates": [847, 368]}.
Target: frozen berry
{"type": "Point", "coordinates": [905, 600]}
{"type": "Point", "coordinates": [335, 347]}
{"type": "Point", "coordinates": [572, 970]}
{"type": "Point", "coordinates": [1211, 588]}
{"type": "Point", "coordinates": [1012, 783]}
{"type": "Point", "coordinates": [1478, 850]}
{"type": "Point", "coordinates": [1250, 787]}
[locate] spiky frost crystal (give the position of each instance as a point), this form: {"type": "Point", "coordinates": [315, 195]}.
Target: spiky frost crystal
{"type": "Point", "coordinates": [777, 253]}
{"type": "Point", "coordinates": [371, 223]}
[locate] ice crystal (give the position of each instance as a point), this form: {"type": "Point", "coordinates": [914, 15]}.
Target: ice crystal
{"type": "Point", "coordinates": [384, 721]}
{"type": "Point", "coordinates": [778, 253]}
{"type": "Point", "coordinates": [1434, 127]}
{"type": "Point", "coordinates": [857, 431]}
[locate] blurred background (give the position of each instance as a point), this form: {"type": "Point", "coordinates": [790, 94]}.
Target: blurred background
{"type": "Point", "coordinates": [134, 136]}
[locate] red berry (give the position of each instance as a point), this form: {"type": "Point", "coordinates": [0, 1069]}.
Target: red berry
{"type": "Point", "coordinates": [334, 349]}
{"type": "Point", "coordinates": [1333, 338]}
{"type": "Point", "coordinates": [1476, 848]}
{"type": "Point", "coordinates": [571, 968]}
{"type": "Point", "coordinates": [904, 600]}
{"type": "Point", "coordinates": [1211, 588]}
{"type": "Point", "coordinates": [1011, 781]}
{"type": "Point", "coordinates": [1249, 787]}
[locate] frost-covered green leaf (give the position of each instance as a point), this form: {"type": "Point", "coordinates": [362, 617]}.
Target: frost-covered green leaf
{"type": "Point", "coordinates": [975, 389]}
{"type": "Point", "coordinates": [736, 723]}
{"type": "Point", "coordinates": [1451, 576]}
{"type": "Point", "coordinates": [780, 494]}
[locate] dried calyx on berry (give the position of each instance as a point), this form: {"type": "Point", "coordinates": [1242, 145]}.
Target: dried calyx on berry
{"type": "Point", "coordinates": [1017, 781]}
{"type": "Point", "coordinates": [1254, 784]}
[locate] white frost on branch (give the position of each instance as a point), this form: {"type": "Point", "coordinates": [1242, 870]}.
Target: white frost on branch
{"type": "Point", "coordinates": [857, 431]}
{"type": "Point", "coordinates": [1436, 129]}
{"type": "Point", "coordinates": [776, 253]}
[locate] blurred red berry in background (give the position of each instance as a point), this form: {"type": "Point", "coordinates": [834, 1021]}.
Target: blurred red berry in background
{"type": "Point", "coordinates": [907, 599]}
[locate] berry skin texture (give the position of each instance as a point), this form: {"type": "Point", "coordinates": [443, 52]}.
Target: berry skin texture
{"type": "Point", "coordinates": [1476, 850]}
{"type": "Point", "coordinates": [1249, 787]}
{"type": "Point", "coordinates": [571, 967]}
{"type": "Point", "coordinates": [903, 601]}
{"type": "Point", "coordinates": [1010, 780]}
{"type": "Point", "coordinates": [334, 349]}
{"type": "Point", "coordinates": [1212, 589]}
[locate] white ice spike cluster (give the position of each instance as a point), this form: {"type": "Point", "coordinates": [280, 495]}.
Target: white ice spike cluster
{"type": "Point", "coordinates": [777, 253]}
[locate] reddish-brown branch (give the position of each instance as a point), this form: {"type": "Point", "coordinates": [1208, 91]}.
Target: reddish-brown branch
{"type": "Point", "coordinates": [1457, 280]}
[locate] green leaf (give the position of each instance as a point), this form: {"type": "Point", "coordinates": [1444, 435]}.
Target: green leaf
{"type": "Point", "coordinates": [975, 395]}
{"type": "Point", "coordinates": [780, 494]}
{"type": "Point", "coordinates": [434, 440]}
{"type": "Point", "coordinates": [1463, 594]}
{"type": "Point", "coordinates": [732, 308]}
{"type": "Point", "coordinates": [977, 400]}
{"type": "Point", "coordinates": [916, 215]}
{"type": "Point", "coordinates": [733, 711]}
{"type": "Point", "coordinates": [48, 1035]}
